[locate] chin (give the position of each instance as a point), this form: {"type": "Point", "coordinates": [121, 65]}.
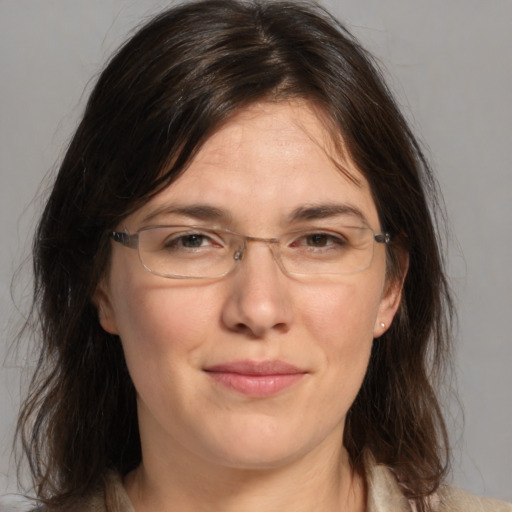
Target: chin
{"type": "Point", "coordinates": [257, 460]}
{"type": "Point", "coordinates": [262, 447]}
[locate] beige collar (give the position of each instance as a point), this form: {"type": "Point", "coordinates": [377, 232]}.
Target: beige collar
{"type": "Point", "coordinates": [384, 495]}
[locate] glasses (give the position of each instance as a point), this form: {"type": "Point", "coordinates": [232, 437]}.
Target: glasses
{"type": "Point", "coordinates": [184, 252]}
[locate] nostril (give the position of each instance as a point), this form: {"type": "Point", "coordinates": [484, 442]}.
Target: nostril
{"type": "Point", "coordinates": [282, 327]}
{"type": "Point", "coordinates": [244, 329]}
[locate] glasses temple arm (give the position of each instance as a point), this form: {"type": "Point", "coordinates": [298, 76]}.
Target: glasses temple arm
{"type": "Point", "coordinates": [125, 238]}
{"type": "Point", "coordinates": [383, 238]}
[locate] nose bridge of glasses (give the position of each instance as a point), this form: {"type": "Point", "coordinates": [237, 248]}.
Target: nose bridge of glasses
{"type": "Point", "coordinates": [243, 242]}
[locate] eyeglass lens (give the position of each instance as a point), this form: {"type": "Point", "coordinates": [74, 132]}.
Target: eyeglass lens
{"type": "Point", "coordinates": [187, 251]}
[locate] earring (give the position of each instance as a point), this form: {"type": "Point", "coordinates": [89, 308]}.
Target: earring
{"type": "Point", "coordinates": [383, 325]}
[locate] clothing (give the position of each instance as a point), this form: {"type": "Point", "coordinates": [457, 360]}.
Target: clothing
{"type": "Point", "coordinates": [384, 495]}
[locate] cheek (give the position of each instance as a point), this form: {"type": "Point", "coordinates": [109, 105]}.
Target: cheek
{"type": "Point", "coordinates": [342, 315]}
{"type": "Point", "coordinates": [163, 332]}
{"type": "Point", "coordinates": [341, 320]}
{"type": "Point", "coordinates": [155, 320]}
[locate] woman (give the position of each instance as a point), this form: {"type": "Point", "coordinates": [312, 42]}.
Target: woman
{"type": "Point", "coordinates": [241, 294]}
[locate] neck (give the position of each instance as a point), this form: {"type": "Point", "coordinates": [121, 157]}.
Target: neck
{"type": "Point", "coordinates": [317, 481]}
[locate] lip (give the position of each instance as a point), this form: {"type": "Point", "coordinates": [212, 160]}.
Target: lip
{"type": "Point", "coordinates": [256, 378]}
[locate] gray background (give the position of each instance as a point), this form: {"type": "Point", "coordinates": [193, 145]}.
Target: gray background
{"type": "Point", "coordinates": [449, 63]}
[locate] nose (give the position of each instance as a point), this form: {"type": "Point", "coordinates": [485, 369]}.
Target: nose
{"type": "Point", "coordinates": [259, 295]}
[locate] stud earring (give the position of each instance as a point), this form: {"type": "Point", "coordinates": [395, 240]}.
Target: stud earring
{"type": "Point", "coordinates": [383, 325]}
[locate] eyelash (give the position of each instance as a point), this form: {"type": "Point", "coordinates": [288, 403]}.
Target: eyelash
{"type": "Point", "coordinates": [305, 240]}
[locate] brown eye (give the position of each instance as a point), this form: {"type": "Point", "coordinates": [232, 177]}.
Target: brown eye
{"type": "Point", "coordinates": [318, 240]}
{"type": "Point", "coordinates": [183, 241]}
{"type": "Point", "coordinates": [191, 241]}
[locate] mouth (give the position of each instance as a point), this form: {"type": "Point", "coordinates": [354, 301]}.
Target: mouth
{"type": "Point", "coordinates": [256, 378]}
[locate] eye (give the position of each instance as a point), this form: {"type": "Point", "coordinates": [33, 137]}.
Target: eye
{"type": "Point", "coordinates": [191, 241]}
{"type": "Point", "coordinates": [319, 240]}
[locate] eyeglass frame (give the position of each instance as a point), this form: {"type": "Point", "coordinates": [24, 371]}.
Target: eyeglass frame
{"type": "Point", "coordinates": [131, 241]}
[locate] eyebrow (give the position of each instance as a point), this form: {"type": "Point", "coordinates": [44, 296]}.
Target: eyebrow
{"type": "Point", "coordinates": [323, 211]}
{"type": "Point", "coordinates": [195, 211]}
{"type": "Point", "coordinates": [206, 212]}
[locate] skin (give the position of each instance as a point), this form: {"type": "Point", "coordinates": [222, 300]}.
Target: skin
{"type": "Point", "coordinates": [207, 447]}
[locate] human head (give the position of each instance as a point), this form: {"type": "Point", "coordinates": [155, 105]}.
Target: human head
{"type": "Point", "coordinates": [161, 96]}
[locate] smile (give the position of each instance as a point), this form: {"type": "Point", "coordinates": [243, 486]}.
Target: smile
{"type": "Point", "coordinates": [256, 379]}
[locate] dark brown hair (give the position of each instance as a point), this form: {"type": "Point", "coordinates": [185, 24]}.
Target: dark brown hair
{"type": "Point", "coordinates": [156, 102]}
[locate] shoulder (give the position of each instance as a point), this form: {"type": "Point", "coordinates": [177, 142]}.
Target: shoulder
{"type": "Point", "coordinates": [384, 495]}
{"type": "Point", "coordinates": [108, 497]}
{"type": "Point", "coordinates": [452, 499]}
{"type": "Point", "coordinates": [111, 497]}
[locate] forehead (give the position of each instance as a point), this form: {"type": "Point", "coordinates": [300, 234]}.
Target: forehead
{"type": "Point", "coordinates": [294, 131]}
{"type": "Point", "coordinates": [265, 162]}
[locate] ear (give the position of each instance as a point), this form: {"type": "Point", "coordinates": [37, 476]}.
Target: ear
{"type": "Point", "coordinates": [391, 298]}
{"type": "Point", "coordinates": [106, 315]}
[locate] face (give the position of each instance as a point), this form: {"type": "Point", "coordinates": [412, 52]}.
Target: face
{"type": "Point", "coordinates": [258, 368]}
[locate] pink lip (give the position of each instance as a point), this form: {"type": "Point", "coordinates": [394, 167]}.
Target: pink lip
{"type": "Point", "coordinates": [256, 378]}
